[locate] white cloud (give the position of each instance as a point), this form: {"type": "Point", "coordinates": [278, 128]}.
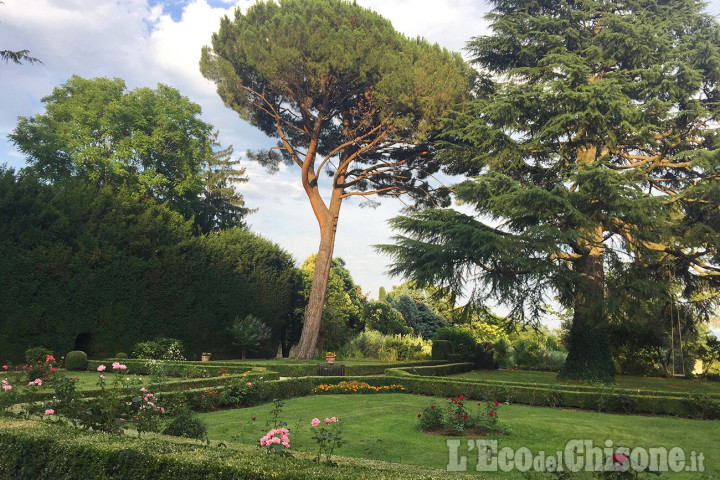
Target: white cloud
{"type": "Point", "coordinates": [142, 44]}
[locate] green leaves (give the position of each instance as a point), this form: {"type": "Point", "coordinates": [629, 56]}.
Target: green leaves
{"type": "Point", "coordinates": [594, 148]}
{"type": "Point", "coordinates": [148, 141]}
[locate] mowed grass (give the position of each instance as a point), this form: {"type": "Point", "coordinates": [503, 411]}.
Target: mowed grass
{"type": "Point", "coordinates": [676, 385]}
{"type": "Point", "coordinates": [383, 427]}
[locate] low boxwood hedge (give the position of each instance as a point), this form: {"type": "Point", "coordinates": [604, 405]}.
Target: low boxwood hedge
{"type": "Point", "coordinates": [600, 399]}
{"type": "Point", "coordinates": [301, 369]}
{"type": "Point", "coordinates": [35, 450]}
{"type": "Point", "coordinates": [432, 370]}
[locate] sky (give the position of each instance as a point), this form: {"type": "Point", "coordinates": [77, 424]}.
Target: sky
{"type": "Point", "coordinates": [146, 42]}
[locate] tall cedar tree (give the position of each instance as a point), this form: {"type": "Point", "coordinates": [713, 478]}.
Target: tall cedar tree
{"type": "Point", "coordinates": [595, 149]}
{"type": "Point", "coordinates": [344, 93]}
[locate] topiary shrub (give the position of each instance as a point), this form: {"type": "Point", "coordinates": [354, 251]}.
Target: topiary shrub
{"type": "Point", "coordinates": [187, 424]}
{"type": "Point", "coordinates": [121, 355]}
{"type": "Point", "coordinates": [462, 341]}
{"type": "Point", "coordinates": [76, 360]}
{"type": "Point", "coordinates": [441, 349]}
{"type": "Point", "coordinates": [36, 354]}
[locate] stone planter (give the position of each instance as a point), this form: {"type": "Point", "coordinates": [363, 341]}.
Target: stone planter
{"type": "Point", "coordinates": [330, 358]}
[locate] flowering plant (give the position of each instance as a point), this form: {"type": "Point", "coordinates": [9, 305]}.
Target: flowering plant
{"type": "Point", "coordinates": [330, 354]}
{"type": "Point", "coordinates": [455, 419]}
{"type": "Point", "coordinates": [328, 437]}
{"type": "Point", "coordinates": [274, 443]}
{"type": "Point", "coordinates": [145, 413]}
{"type": "Point", "coordinates": [8, 396]}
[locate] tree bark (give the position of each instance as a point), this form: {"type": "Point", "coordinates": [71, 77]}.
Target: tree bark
{"type": "Point", "coordinates": [323, 261]}
{"type": "Point", "coordinates": [589, 353]}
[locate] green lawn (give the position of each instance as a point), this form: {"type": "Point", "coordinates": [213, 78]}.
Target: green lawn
{"type": "Point", "coordinates": [392, 419]}
{"type": "Point", "coordinates": [676, 385]}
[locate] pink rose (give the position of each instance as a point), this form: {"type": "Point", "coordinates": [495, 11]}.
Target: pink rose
{"type": "Point", "coordinates": [333, 419]}
{"type": "Point", "coordinates": [315, 422]}
{"type": "Point", "coordinates": [249, 384]}
{"type": "Point", "coordinates": [101, 368]}
{"type": "Point", "coordinates": [327, 420]}
{"type": "Point", "coordinates": [7, 387]}
{"type": "Point", "coordinates": [49, 411]}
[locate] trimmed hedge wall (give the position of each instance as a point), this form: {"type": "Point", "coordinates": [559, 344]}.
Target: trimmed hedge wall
{"type": "Point", "coordinates": [34, 450]}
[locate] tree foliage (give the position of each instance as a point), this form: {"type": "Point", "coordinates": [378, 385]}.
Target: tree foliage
{"type": "Point", "coordinates": [18, 56]}
{"type": "Point", "coordinates": [382, 317]}
{"type": "Point", "coordinates": [345, 94]}
{"type": "Point", "coordinates": [344, 303]}
{"type": "Point", "coordinates": [595, 150]}
{"type": "Point", "coordinates": [92, 267]}
{"type": "Point", "coordinates": [147, 141]}
{"type": "Point", "coordinates": [248, 332]}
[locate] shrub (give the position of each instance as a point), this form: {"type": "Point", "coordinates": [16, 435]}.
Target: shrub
{"type": "Point", "coordinates": [484, 356]}
{"type": "Point", "coordinates": [160, 349]}
{"type": "Point", "coordinates": [441, 349]}
{"type": "Point", "coordinates": [455, 419]}
{"type": "Point", "coordinates": [187, 424]}
{"type": "Point", "coordinates": [121, 356]}
{"type": "Point", "coordinates": [248, 333]}
{"type": "Point", "coordinates": [462, 341]}
{"type": "Point", "coordinates": [36, 354]}
{"type": "Point", "coordinates": [381, 316]}
{"type": "Point", "coordinates": [503, 353]}
{"type": "Point", "coordinates": [76, 360]}
{"type": "Point", "coordinates": [373, 344]}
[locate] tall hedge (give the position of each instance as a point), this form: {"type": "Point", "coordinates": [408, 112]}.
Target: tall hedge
{"type": "Point", "coordinates": [96, 269]}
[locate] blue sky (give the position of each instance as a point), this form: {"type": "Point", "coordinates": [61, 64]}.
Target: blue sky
{"type": "Point", "coordinates": [146, 42]}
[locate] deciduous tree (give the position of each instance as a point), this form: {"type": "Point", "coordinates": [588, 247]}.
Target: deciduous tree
{"type": "Point", "coordinates": [148, 141]}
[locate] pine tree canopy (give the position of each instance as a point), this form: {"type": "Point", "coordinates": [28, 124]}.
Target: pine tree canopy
{"type": "Point", "coordinates": [594, 150]}
{"type": "Point", "coordinates": [346, 95]}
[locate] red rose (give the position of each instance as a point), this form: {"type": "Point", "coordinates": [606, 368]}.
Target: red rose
{"type": "Point", "coordinates": [492, 414]}
{"type": "Point", "coordinates": [419, 415]}
{"type": "Point", "coordinates": [432, 406]}
{"type": "Point", "coordinates": [253, 418]}
{"type": "Point", "coordinates": [461, 397]}
{"type": "Point", "coordinates": [496, 403]}
{"type": "Point", "coordinates": [465, 417]}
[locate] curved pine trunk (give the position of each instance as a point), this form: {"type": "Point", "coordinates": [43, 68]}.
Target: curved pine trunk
{"type": "Point", "coordinates": [321, 275]}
